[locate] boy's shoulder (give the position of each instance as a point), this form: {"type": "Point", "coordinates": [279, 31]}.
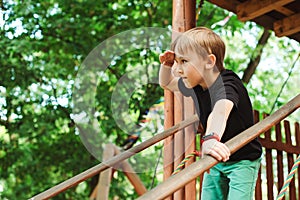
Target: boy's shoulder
{"type": "Point", "coordinates": [229, 73]}
{"type": "Point", "coordinates": [229, 76]}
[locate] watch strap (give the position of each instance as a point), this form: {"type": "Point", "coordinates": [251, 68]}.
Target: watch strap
{"type": "Point", "coordinates": [209, 137]}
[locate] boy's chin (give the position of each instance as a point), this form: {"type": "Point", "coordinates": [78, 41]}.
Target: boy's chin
{"type": "Point", "coordinates": [187, 84]}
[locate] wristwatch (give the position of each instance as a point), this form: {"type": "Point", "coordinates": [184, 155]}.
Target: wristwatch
{"type": "Point", "coordinates": [210, 136]}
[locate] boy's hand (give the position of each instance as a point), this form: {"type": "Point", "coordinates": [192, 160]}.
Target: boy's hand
{"type": "Point", "coordinates": [216, 149]}
{"type": "Point", "coordinates": [167, 58]}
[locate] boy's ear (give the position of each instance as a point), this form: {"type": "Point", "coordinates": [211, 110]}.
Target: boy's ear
{"type": "Point", "coordinates": [211, 62]}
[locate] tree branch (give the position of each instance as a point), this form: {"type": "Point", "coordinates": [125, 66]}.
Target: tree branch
{"type": "Point", "coordinates": [256, 56]}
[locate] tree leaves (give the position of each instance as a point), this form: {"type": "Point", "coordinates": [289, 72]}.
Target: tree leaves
{"type": "Point", "coordinates": [44, 47]}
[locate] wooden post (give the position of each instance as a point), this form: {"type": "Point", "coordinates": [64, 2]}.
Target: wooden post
{"type": "Point", "coordinates": [269, 166]}
{"type": "Point", "coordinates": [105, 176]}
{"type": "Point", "coordinates": [183, 142]}
{"type": "Point", "coordinates": [178, 139]}
{"type": "Point", "coordinates": [131, 175]}
{"type": "Point", "coordinates": [297, 132]}
{"type": "Point", "coordinates": [290, 159]}
{"type": "Point", "coordinates": [101, 191]}
{"type": "Point", "coordinates": [190, 146]}
{"type": "Point", "coordinates": [168, 142]}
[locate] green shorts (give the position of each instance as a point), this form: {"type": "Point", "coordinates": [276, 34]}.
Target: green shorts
{"type": "Point", "coordinates": [231, 180]}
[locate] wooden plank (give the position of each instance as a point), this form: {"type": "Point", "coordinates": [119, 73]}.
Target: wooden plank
{"type": "Point", "coordinates": [184, 12]}
{"type": "Point", "coordinates": [105, 176]}
{"type": "Point", "coordinates": [292, 187]}
{"type": "Point", "coordinates": [178, 139]}
{"type": "Point", "coordinates": [189, 132]}
{"type": "Point", "coordinates": [297, 132]}
{"type": "Point", "coordinates": [131, 175]}
{"type": "Point", "coordinates": [255, 116]}
{"type": "Point", "coordinates": [190, 146]}
{"type": "Point", "coordinates": [253, 8]}
{"type": "Point", "coordinates": [285, 11]}
{"type": "Point", "coordinates": [287, 26]}
{"type": "Point", "coordinates": [258, 189]}
{"type": "Point", "coordinates": [269, 165]}
{"type": "Point", "coordinates": [168, 153]}
{"type": "Point", "coordinates": [189, 14]}
{"type": "Point", "coordinates": [279, 157]}
{"type": "Point", "coordinates": [199, 167]}
{"type": "Point", "coordinates": [229, 5]}
{"type": "Point", "coordinates": [279, 146]}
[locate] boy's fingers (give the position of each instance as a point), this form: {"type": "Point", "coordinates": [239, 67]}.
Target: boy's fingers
{"type": "Point", "coordinates": [167, 56]}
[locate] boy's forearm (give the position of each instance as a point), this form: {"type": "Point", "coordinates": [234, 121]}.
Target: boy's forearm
{"type": "Point", "coordinates": [218, 127]}
{"type": "Point", "coordinates": [217, 120]}
{"type": "Point", "coordinates": [165, 75]}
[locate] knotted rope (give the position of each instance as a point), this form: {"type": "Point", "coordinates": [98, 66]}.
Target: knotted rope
{"type": "Point", "coordinates": [181, 165]}
{"type": "Point", "coordinates": [288, 179]}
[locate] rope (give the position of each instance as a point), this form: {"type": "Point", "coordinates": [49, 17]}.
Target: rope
{"type": "Point", "coordinates": [289, 179]}
{"type": "Point", "coordinates": [181, 165]}
{"type": "Point", "coordinates": [285, 82]}
{"type": "Point", "coordinates": [155, 170]}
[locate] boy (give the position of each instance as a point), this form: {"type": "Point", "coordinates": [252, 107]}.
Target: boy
{"type": "Point", "coordinates": [194, 66]}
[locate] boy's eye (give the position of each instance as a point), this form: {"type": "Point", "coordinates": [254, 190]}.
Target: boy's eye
{"type": "Point", "coordinates": [183, 61]}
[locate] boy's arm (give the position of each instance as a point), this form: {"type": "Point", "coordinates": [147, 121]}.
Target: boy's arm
{"type": "Point", "coordinates": [166, 77]}
{"type": "Point", "coordinates": [216, 124]}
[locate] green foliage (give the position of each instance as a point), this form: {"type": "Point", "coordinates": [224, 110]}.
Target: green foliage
{"type": "Point", "coordinates": [44, 44]}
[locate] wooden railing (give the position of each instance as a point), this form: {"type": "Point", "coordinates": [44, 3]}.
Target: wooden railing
{"type": "Point", "coordinates": [188, 174]}
{"type": "Point", "coordinates": [199, 167]}
{"type": "Point", "coordinates": [281, 146]}
{"type": "Point", "coordinates": [113, 161]}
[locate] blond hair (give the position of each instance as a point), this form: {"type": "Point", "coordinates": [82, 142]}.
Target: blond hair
{"type": "Point", "coordinates": [204, 41]}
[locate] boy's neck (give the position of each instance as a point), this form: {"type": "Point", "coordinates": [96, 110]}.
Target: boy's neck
{"type": "Point", "coordinates": [210, 79]}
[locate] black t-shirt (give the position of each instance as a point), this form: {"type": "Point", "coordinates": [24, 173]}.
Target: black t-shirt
{"type": "Point", "coordinates": [227, 86]}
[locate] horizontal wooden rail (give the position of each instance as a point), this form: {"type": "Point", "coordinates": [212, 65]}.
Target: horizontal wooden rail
{"type": "Point", "coordinates": [114, 160]}
{"type": "Point", "coordinates": [279, 146]}
{"type": "Point", "coordinates": [197, 168]}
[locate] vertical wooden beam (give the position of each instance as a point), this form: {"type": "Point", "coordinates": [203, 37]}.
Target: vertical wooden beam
{"type": "Point", "coordinates": [184, 12]}
{"type": "Point", "coordinates": [105, 176]}
{"type": "Point", "coordinates": [258, 190]}
{"type": "Point", "coordinates": [168, 142]}
{"type": "Point", "coordinates": [178, 139]}
{"type": "Point", "coordinates": [131, 175]}
{"type": "Point", "coordinates": [178, 24]}
{"type": "Point", "coordinates": [190, 146]}
{"type": "Point", "coordinates": [297, 133]}
{"type": "Point", "coordinates": [279, 157]}
{"type": "Point", "coordinates": [269, 165]}
{"type": "Point", "coordinates": [290, 158]}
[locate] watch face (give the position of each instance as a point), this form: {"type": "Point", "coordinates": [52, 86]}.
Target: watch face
{"type": "Point", "coordinates": [209, 135]}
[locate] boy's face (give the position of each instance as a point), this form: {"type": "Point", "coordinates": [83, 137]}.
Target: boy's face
{"type": "Point", "coordinates": [191, 68]}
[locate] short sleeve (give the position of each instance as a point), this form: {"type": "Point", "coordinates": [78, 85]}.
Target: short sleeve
{"type": "Point", "coordinates": [225, 89]}
{"type": "Point", "coordinates": [232, 92]}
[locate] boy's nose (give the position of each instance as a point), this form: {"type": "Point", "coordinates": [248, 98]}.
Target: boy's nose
{"type": "Point", "coordinates": [177, 70]}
